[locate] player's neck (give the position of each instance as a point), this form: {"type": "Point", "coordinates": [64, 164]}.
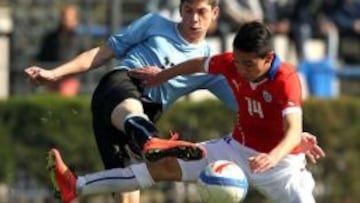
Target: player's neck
{"type": "Point", "coordinates": [261, 78]}
{"type": "Point", "coordinates": [264, 75]}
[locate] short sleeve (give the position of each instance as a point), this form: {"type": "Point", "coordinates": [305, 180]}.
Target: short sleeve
{"type": "Point", "coordinates": [291, 91]}
{"type": "Point", "coordinates": [133, 34]}
{"type": "Point", "coordinates": [219, 64]}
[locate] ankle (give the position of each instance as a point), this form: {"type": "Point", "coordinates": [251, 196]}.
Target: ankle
{"type": "Point", "coordinates": [140, 129]}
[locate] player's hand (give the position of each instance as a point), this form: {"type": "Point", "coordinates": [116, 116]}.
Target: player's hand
{"type": "Point", "coordinates": [149, 76]}
{"type": "Point", "coordinates": [261, 163]}
{"type": "Point", "coordinates": [39, 75]}
{"type": "Point", "coordinates": [310, 147]}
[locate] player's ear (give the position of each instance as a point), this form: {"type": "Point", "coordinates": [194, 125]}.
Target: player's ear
{"type": "Point", "coordinates": [216, 11]}
{"type": "Point", "coordinates": [269, 57]}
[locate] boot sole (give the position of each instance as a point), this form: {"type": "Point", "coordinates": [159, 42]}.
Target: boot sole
{"type": "Point", "coordinates": [185, 153]}
{"type": "Point", "coordinates": [51, 167]}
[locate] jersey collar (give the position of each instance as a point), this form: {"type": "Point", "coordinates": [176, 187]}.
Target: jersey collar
{"type": "Point", "coordinates": [274, 67]}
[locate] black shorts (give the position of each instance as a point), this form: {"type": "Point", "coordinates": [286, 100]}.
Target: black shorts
{"type": "Point", "coordinates": [113, 88]}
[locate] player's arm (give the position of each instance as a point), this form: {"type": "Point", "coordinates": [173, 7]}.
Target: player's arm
{"type": "Point", "coordinates": [292, 118]}
{"type": "Point", "coordinates": [292, 137]}
{"type": "Point", "coordinates": [153, 76]}
{"type": "Point", "coordinates": [85, 61]}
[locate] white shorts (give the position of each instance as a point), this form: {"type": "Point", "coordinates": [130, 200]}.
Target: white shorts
{"type": "Point", "coordinates": [287, 182]}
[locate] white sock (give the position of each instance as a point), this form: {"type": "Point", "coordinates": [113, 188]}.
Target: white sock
{"type": "Point", "coordinates": [142, 175]}
{"type": "Point", "coordinates": [115, 180]}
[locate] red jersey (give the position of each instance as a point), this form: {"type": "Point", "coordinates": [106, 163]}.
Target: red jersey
{"type": "Point", "coordinates": [261, 105]}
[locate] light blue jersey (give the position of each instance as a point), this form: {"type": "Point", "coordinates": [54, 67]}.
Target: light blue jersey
{"type": "Point", "coordinates": [155, 41]}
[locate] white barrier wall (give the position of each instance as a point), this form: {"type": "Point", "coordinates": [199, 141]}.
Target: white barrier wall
{"type": "Point", "coordinates": [5, 29]}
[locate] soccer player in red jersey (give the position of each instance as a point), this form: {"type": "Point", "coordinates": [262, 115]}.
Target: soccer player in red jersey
{"type": "Point", "coordinates": [266, 141]}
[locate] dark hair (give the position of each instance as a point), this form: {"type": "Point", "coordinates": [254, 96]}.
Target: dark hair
{"type": "Point", "coordinates": [254, 37]}
{"type": "Point", "coordinates": [213, 3]}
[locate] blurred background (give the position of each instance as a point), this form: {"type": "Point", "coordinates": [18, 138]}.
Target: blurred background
{"type": "Point", "coordinates": [320, 37]}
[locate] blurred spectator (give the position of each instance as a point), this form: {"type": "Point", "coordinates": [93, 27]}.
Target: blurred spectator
{"type": "Point", "coordinates": [233, 13]}
{"type": "Point", "coordinates": [347, 18]}
{"type": "Point", "coordinates": [236, 12]}
{"type": "Point", "coordinates": [60, 45]}
{"type": "Point", "coordinates": [302, 20]}
{"type": "Point", "coordinates": [280, 14]}
{"type": "Point", "coordinates": [328, 29]}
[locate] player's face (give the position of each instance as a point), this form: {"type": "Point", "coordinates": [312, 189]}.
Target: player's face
{"type": "Point", "coordinates": [70, 18]}
{"type": "Point", "coordinates": [197, 17]}
{"type": "Point", "coordinates": [250, 66]}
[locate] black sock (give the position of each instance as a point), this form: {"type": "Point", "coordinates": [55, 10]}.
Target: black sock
{"type": "Point", "coordinates": [140, 129]}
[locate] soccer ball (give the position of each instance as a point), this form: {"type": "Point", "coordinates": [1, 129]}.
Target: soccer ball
{"type": "Point", "coordinates": [222, 182]}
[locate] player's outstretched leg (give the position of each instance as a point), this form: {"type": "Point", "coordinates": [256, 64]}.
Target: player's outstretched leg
{"type": "Point", "coordinates": [156, 148]}
{"type": "Point", "coordinates": [62, 178]}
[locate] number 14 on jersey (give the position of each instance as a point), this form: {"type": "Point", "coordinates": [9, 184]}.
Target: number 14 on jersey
{"type": "Point", "coordinates": [254, 107]}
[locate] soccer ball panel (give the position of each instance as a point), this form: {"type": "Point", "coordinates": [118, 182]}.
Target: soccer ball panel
{"type": "Point", "coordinates": [222, 181]}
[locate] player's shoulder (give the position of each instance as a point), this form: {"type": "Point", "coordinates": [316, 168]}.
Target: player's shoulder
{"type": "Point", "coordinates": [221, 62]}
{"type": "Point", "coordinates": [287, 74]}
{"type": "Point", "coordinates": [156, 19]}
{"type": "Point", "coordinates": [287, 68]}
{"type": "Point", "coordinates": [226, 56]}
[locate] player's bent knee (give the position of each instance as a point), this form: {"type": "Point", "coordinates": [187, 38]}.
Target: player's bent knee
{"type": "Point", "coordinates": [124, 109]}
{"type": "Point", "coordinates": [167, 169]}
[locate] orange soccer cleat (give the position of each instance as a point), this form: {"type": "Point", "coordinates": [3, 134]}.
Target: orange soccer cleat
{"type": "Point", "coordinates": [62, 178]}
{"type": "Point", "coordinates": [157, 148]}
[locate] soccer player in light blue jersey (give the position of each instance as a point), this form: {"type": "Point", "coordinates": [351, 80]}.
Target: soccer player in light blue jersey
{"type": "Point", "coordinates": [123, 110]}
